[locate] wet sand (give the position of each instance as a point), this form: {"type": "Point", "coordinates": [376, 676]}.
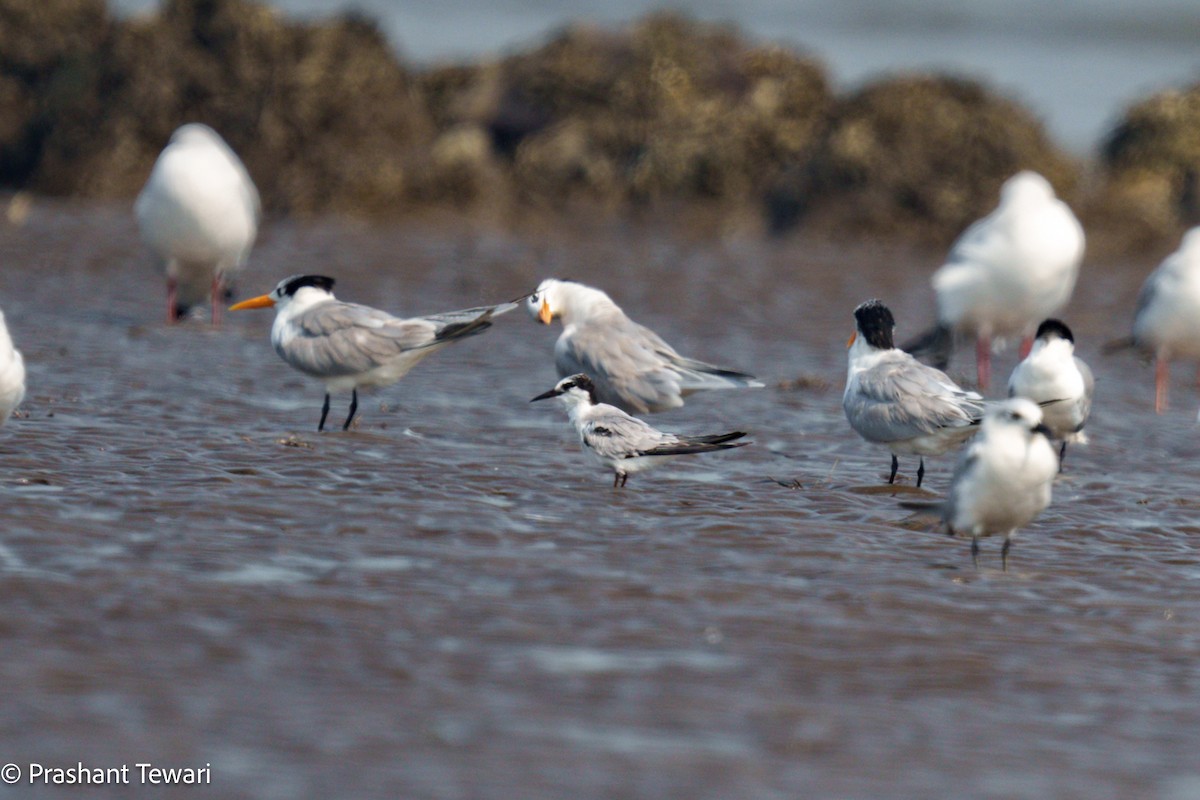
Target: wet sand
{"type": "Point", "coordinates": [450, 602]}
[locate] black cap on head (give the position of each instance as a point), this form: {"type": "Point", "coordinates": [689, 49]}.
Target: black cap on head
{"type": "Point", "coordinates": [875, 323]}
{"type": "Point", "coordinates": [1054, 327]}
{"type": "Point", "coordinates": [583, 382]}
{"type": "Point", "coordinates": [297, 283]}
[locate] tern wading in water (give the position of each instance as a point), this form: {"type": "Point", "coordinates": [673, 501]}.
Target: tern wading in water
{"type": "Point", "coordinates": [347, 345]}
{"type": "Point", "coordinates": [630, 365]}
{"type": "Point", "coordinates": [1003, 478]}
{"type": "Point", "coordinates": [1005, 274]}
{"type": "Point", "coordinates": [1058, 381]}
{"type": "Point", "coordinates": [896, 401]}
{"type": "Point", "coordinates": [198, 213]}
{"type": "Point", "coordinates": [622, 443]}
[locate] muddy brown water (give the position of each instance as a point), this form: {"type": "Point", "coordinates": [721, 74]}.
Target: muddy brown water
{"type": "Point", "coordinates": [450, 602]}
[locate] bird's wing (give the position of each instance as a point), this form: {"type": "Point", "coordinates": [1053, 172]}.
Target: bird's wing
{"type": "Point", "coordinates": [901, 398]}
{"type": "Point", "coordinates": [338, 338]}
{"type": "Point", "coordinates": [622, 357]}
{"type": "Point", "coordinates": [618, 435]}
{"type": "Point", "coordinates": [963, 477]}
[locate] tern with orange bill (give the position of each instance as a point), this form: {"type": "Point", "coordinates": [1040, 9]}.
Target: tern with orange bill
{"type": "Point", "coordinates": [348, 346]}
{"type": "Point", "coordinates": [630, 366]}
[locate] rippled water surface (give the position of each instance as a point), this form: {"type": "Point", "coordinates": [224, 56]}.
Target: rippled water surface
{"type": "Point", "coordinates": [449, 602]}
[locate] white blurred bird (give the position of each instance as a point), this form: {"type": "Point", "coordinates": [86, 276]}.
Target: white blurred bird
{"type": "Point", "coordinates": [630, 365]}
{"type": "Point", "coordinates": [1058, 381]}
{"type": "Point", "coordinates": [198, 213]}
{"type": "Point", "coordinates": [12, 374]}
{"type": "Point", "coordinates": [622, 443]}
{"type": "Point", "coordinates": [348, 346]}
{"type": "Point", "coordinates": [894, 400]}
{"type": "Point", "coordinates": [1003, 478]}
{"type": "Point", "coordinates": [1005, 273]}
{"type": "Point", "coordinates": [1167, 319]}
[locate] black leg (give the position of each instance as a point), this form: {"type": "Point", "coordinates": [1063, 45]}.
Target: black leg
{"type": "Point", "coordinates": [324, 414]}
{"type": "Point", "coordinates": [975, 551]}
{"type": "Point", "coordinates": [1004, 554]}
{"type": "Point", "coordinates": [1062, 454]}
{"type": "Point", "coordinates": [895, 466]}
{"type": "Point", "coordinates": [353, 408]}
{"type": "Point", "coordinates": [624, 477]}
{"type": "Point", "coordinates": [616, 479]}
{"type": "Point", "coordinates": [921, 472]}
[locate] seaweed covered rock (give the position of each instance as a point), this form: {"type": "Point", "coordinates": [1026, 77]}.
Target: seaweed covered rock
{"type": "Point", "coordinates": [323, 114]}
{"type": "Point", "coordinates": [50, 52]}
{"type": "Point", "coordinates": [924, 156]}
{"type": "Point", "coordinates": [1152, 165]}
{"type": "Point", "coordinates": [667, 109]}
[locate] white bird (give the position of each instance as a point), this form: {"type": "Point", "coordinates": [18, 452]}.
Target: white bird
{"type": "Point", "coordinates": [894, 400]}
{"type": "Point", "coordinates": [631, 366]}
{"type": "Point", "coordinates": [198, 213]}
{"type": "Point", "coordinates": [12, 374]}
{"type": "Point", "coordinates": [1058, 381]}
{"type": "Point", "coordinates": [1167, 319]}
{"type": "Point", "coordinates": [623, 443]}
{"type": "Point", "coordinates": [347, 345]}
{"type": "Point", "coordinates": [1003, 478]}
{"type": "Point", "coordinates": [1005, 273]}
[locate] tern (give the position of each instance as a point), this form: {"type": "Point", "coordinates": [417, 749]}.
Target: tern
{"type": "Point", "coordinates": [622, 443]}
{"type": "Point", "coordinates": [894, 400]}
{"type": "Point", "coordinates": [1005, 273]}
{"type": "Point", "coordinates": [12, 374]}
{"type": "Point", "coordinates": [630, 365]}
{"type": "Point", "coordinates": [1167, 320]}
{"type": "Point", "coordinates": [1058, 381]}
{"type": "Point", "coordinates": [198, 213]}
{"type": "Point", "coordinates": [1003, 478]}
{"type": "Point", "coordinates": [347, 345]}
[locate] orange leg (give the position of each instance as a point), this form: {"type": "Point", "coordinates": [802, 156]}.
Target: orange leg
{"type": "Point", "coordinates": [217, 298]}
{"type": "Point", "coordinates": [1161, 375]}
{"type": "Point", "coordinates": [983, 362]}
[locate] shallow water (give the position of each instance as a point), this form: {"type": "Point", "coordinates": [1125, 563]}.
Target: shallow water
{"type": "Point", "coordinates": [449, 602]}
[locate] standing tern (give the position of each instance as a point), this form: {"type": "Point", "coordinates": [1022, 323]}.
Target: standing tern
{"type": "Point", "coordinates": [199, 214]}
{"type": "Point", "coordinates": [347, 345]}
{"type": "Point", "coordinates": [894, 400]}
{"type": "Point", "coordinates": [1167, 319]}
{"type": "Point", "coordinates": [623, 443]}
{"type": "Point", "coordinates": [1058, 381]}
{"type": "Point", "coordinates": [1003, 478]}
{"type": "Point", "coordinates": [12, 374]}
{"type": "Point", "coordinates": [631, 366]}
{"type": "Point", "coordinates": [1005, 273]}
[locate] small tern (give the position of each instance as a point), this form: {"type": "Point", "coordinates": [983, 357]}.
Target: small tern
{"type": "Point", "coordinates": [12, 374]}
{"type": "Point", "coordinates": [1005, 273]}
{"type": "Point", "coordinates": [1057, 380]}
{"type": "Point", "coordinates": [623, 443]}
{"type": "Point", "coordinates": [894, 400]}
{"type": "Point", "coordinates": [347, 345]}
{"type": "Point", "coordinates": [198, 213]}
{"type": "Point", "coordinates": [1167, 320]}
{"type": "Point", "coordinates": [631, 366]}
{"type": "Point", "coordinates": [1003, 478]}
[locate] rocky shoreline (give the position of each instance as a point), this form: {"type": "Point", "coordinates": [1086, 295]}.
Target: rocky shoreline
{"type": "Point", "coordinates": [666, 116]}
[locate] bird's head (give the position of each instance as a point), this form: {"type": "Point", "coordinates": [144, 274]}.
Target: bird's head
{"type": "Point", "coordinates": [574, 389]}
{"type": "Point", "coordinates": [303, 287]}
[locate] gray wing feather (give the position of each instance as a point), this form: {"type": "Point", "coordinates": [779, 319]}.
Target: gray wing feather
{"type": "Point", "coordinates": [902, 398]}
{"type": "Point", "coordinates": [338, 338]}
{"type": "Point", "coordinates": [967, 464]}
{"type": "Point", "coordinates": [621, 436]}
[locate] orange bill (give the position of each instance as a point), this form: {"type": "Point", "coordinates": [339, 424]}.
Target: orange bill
{"type": "Point", "coordinates": [853, 336]}
{"type": "Point", "coordinates": [262, 301]}
{"type": "Point", "coordinates": [544, 315]}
